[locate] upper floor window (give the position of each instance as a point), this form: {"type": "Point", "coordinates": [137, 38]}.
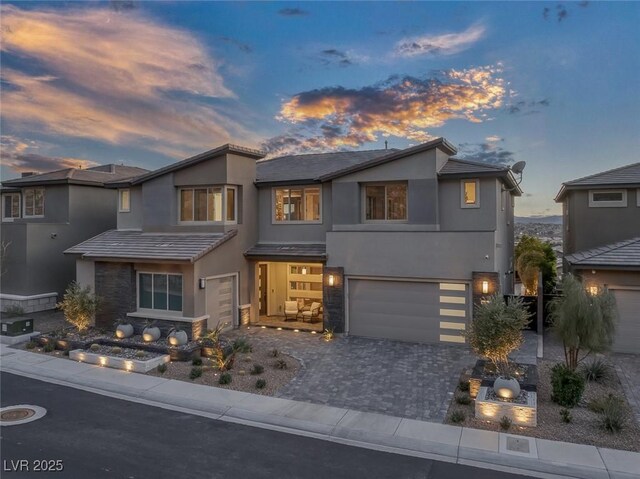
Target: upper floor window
{"type": "Point", "coordinates": [208, 204]}
{"type": "Point", "coordinates": [607, 198]}
{"type": "Point", "coordinates": [33, 202]}
{"type": "Point", "coordinates": [296, 204]}
{"type": "Point", "coordinates": [385, 202]}
{"type": "Point", "coordinates": [160, 291]}
{"type": "Point", "coordinates": [124, 201]}
{"type": "Point", "coordinates": [10, 206]}
{"type": "Point", "coordinates": [470, 194]}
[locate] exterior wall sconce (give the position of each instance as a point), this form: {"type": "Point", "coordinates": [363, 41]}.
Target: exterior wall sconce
{"type": "Point", "coordinates": [485, 287]}
{"type": "Point", "coordinates": [331, 280]}
{"type": "Point", "coordinates": [304, 270]}
{"type": "Point", "coordinates": [593, 290]}
{"type": "Point", "coordinates": [202, 283]}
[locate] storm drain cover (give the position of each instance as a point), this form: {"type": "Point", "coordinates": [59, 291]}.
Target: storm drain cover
{"type": "Point", "coordinates": [20, 414]}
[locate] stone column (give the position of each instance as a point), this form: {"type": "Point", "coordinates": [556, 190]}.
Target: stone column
{"type": "Point", "coordinates": [333, 298]}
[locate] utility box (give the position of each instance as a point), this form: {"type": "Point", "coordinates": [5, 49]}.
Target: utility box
{"type": "Point", "coordinates": [16, 326]}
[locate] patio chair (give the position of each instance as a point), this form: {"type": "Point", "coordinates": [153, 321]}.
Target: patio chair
{"type": "Point", "coordinates": [312, 314]}
{"type": "Point", "coordinates": [290, 310]}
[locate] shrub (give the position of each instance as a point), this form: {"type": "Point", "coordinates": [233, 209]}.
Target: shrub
{"type": "Point", "coordinates": [600, 404]}
{"type": "Point", "coordinates": [197, 361]}
{"type": "Point", "coordinates": [464, 399]}
{"type": "Point", "coordinates": [212, 336]}
{"type": "Point", "coordinates": [257, 369]}
{"type": "Point", "coordinates": [505, 423]}
{"type": "Point", "coordinates": [49, 348]}
{"type": "Point", "coordinates": [225, 378]}
{"type": "Point", "coordinates": [261, 383]}
{"type": "Point", "coordinates": [13, 311]}
{"type": "Point", "coordinates": [79, 306]}
{"type": "Point", "coordinates": [116, 350]}
{"type": "Point", "coordinates": [496, 330]}
{"type": "Point", "coordinates": [457, 417]}
{"type": "Point", "coordinates": [613, 415]}
{"type": "Point", "coordinates": [567, 386]}
{"type": "Point", "coordinates": [274, 353]}
{"type": "Point", "coordinates": [162, 368]}
{"type": "Point", "coordinates": [95, 347]}
{"type": "Point", "coordinates": [31, 345]}
{"type": "Point", "coordinates": [140, 354]}
{"type": "Point", "coordinates": [565, 415]}
{"type": "Point", "coordinates": [223, 362]}
{"type": "Point", "coordinates": [280, 364]}
{"type": "Point", "coordinates": [196, 372]}
{"type": "Point", "coordinates": [464, 386]}
{"type": "Point", "coordinates": [241, 345]}
{"type": "Point", "coordinates": [596, 370]}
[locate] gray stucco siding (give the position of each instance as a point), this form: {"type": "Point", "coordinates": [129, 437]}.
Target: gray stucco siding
{"type": "Point", "coordinates": [453, 217]}
{"type": "Point", "coordinates": [422, 200]}
{"type": "Point", "coordinates": [132, 219]}
{"type": "Point", "coordinates": [345, 204]}
{"type": "Point", "coordinates": [417, 166]}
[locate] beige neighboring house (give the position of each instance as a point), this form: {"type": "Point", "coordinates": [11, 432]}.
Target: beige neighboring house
{"type": "Point", "coordinates": [601, 235]}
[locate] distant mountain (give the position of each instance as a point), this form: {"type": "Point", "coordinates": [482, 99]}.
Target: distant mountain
{"type": "Point", "coordinates": [551, 219]}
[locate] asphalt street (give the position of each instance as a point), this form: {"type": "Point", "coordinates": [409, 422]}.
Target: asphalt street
{"type": "Point", "coordinates": [97, 437]}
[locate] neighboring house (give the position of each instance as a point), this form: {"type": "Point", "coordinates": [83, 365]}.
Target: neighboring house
{"type": "Point", "coordinates": [44, 214]}
{"type": "Point", "coordinates": [385, 243]}
{"type": "Point", "coordinates": [602, 241]}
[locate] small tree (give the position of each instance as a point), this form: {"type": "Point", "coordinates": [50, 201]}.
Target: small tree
{"type": "Point", "coordinates": [583, 321]}
{"type": "Point", "coordinates": [496, 330]}
{"type": "Point", "coordinates": [531, 257]}
{"type": "Point", "coordinates": [79, 306]}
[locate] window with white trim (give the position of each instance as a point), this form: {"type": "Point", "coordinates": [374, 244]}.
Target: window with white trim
{"type": "Point", "coordinates": [607, 198]}
{"type": "Point", "coordinates": [208, 204]}
{"type": "Point", "coordinates": [160, 291]}
{"type": "Point", "coordinates": [124, 200]}
{"type": "Point", "coordinates": [470, 193]}
{"type": "Point", "coordinates": [10, 206]}
{"type": "Point", "coordinates": [297, 204]}
{"type": "Point", "coordinates": [33, 202]}
{"type": "Point", "coordinates": [385, 202]}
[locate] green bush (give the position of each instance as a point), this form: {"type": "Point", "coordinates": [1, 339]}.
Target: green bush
{"type": "Point", "coordinates": [196, 372]}
{"type": "Point", "coordinates": [505, 423]}
{"type": "Point", "coordinates": [257, 369]}
{"type": "Point", "coordinates": [457, 417]}
{"type": "Point", "coordinates": [241, 345]}
{"type": "Point", "coordinates": [49, 348]}
{"type": "Point", "coordinates": [162, 368]}
{"type": "Point", "coordinates": [274, 353]}
{"type": "Point", "coordinates": [565, 415]}
{"type": "Point", "coordinates": [225, 378]}
{"type": "Point", "coordinates": [280, 364]}
{"type": "Point", "coordinates": [13, 311]}
{"type": "Point", "coordinates": [463, 398]}
{"type": "Point", "coordinates": [116, 350]}
{"type": "Point", "coordinates": [31, 345]}
{"type": "Point", "coordinates": [567, 386]}
{"type": "Point", "coordinates": [140, 354]}
{"type": "Point", "coordinates": [596, 370]}
{"type": "Point", "coordinates": [79, 306]}
{"type": "Point", "coordinates": [613, 415]}
{"type": "Point", "coordinates": [95, 347]}
{"type": "Point", "coordinates": [197, 361]}
{"type": "Point", "coordinates": [464, 386]}
{"type": "Point", "coordinates": [261, 383]}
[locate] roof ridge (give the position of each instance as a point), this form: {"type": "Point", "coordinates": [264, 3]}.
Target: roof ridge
{"type": "Point", "coordinates": [601, 173]}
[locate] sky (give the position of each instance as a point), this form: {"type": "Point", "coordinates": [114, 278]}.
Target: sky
{"type": "Point", "coordinates": [150, 83]}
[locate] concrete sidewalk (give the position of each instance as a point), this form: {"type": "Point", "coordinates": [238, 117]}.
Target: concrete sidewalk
{"type": "Point", "coordinates": [487, 449]}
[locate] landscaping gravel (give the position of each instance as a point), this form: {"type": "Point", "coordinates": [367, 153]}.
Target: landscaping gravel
{"type": "Point", "coordinates": [162, 342]}
{"type": "Point", "coordinates": [126, 353]}
{"type": "Point", "coordinates": [584, 428]}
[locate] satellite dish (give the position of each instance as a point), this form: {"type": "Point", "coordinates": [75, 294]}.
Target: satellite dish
{"type": "Point", "coordinates": [518, 167]}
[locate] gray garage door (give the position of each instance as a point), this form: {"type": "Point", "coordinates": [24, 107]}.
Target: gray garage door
{"type": "Point", "coordinates": [426, 312]}
{"type": "Point", "coordinates": [220, 300]}
{"type": "Point", "coordinates": [628, 330]}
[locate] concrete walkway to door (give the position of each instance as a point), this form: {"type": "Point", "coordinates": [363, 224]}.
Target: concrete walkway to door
{"type": "Point", "coordinates": [408, 380]}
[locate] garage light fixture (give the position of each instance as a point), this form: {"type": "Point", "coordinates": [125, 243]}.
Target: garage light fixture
{"type": "Point", "coordinates": [593, 290]}
{"type": "Point", "coordinates": [331, 280]}
{"type": "Point", "coordinates": [485, 287]}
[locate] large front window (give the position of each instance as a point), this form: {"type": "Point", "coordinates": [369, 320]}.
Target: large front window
{"type": "Point", "coordinates": [34, 202]}
{"type": "Point", "coordinates": [10, 206]}
{"type": "Point", "coordinates": [297, 204]}
{"type": "Point", "coordinates": [386, 202]}
{"type": "Point", "coordinates": [160, 291]}
{"type": "Point", "coordinates": [208, 204]}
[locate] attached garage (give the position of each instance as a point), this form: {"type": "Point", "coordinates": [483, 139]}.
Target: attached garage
{"type": "Point", "coordinates": [221, 300]}
{"type": "Point", "coordinates": [416, 311]}
{"type": "Point", "coordinates": [628, 330]}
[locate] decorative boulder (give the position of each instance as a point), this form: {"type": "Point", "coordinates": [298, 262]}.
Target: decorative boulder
{"type": "Point", "coordinates": [506, 388]}
{"type": "Point", "coordinates": [124, 331]}
{"type": "Point", "coordinates": [178, 338]}
{"type": "Point", "coordinates": [151, 334]}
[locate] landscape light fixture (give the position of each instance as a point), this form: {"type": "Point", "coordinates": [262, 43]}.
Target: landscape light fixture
{"type": "Point", "coordinates": [593, 290]}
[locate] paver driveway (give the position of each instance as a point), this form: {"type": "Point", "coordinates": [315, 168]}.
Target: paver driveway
{"type": "Point", "coordinates": [375, 375]}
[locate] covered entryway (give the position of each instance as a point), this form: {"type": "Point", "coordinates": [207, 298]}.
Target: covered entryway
{"type": "Point", "coordinates": [627, 338]}
{"type": "Point", "coordinates": [416, 311]}
{"type": "Point", "coordinates": [221, 292]}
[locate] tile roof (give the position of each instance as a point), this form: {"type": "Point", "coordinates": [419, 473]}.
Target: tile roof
{"type": "Point", "coordinates": [97, 175]}
{"type": "Point", "coordinates": [623, 254]}
{"type": "Point", "coordinates": [628, 175]}
{"type": "Point", "coordinates": [456, 166]}
{"type": "Point", "coordinates": [129, 244]}
{"type": "Point", "coordinates": [288, 250]}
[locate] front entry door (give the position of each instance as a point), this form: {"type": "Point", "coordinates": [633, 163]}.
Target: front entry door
{"type": "Point", "coordinates": [263, 288]}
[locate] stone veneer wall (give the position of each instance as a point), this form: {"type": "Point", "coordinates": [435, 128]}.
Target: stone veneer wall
{"type": "Point", "coordinates": [29, 304]}
{"type": "Point", "coordinates": [520, 414]}
{"type": "Point", "coordinates": [333, 299]}
{"type": "Point", "coordinates": [115, 285]}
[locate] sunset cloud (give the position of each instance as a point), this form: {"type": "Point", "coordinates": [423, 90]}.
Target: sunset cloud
{"type": "Point", "coordinates": [113, 77]}
{"type": "Point", "coordinates": [488, 152]}
{"type": "Point", "coordinates": [404, 107]}
{"type": "Point", "coordinates": [19, 155]}
{"type": "Point", "coordinates": [444, 44]}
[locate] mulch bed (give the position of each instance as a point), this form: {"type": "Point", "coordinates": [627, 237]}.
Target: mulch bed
{"type": "Point", "coordinates": [584, 429]}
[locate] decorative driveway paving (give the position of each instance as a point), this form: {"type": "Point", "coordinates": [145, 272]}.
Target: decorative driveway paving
{"type": "Point", "coordinates": [375, 375]}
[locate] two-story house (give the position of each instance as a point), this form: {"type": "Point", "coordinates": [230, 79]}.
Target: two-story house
{"type": "Point", "coordinates": [383, 243]}
{"type": "Point", "coordinates": [601, 241]}
{"type": "Point", "coordinates": [44, 214]}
